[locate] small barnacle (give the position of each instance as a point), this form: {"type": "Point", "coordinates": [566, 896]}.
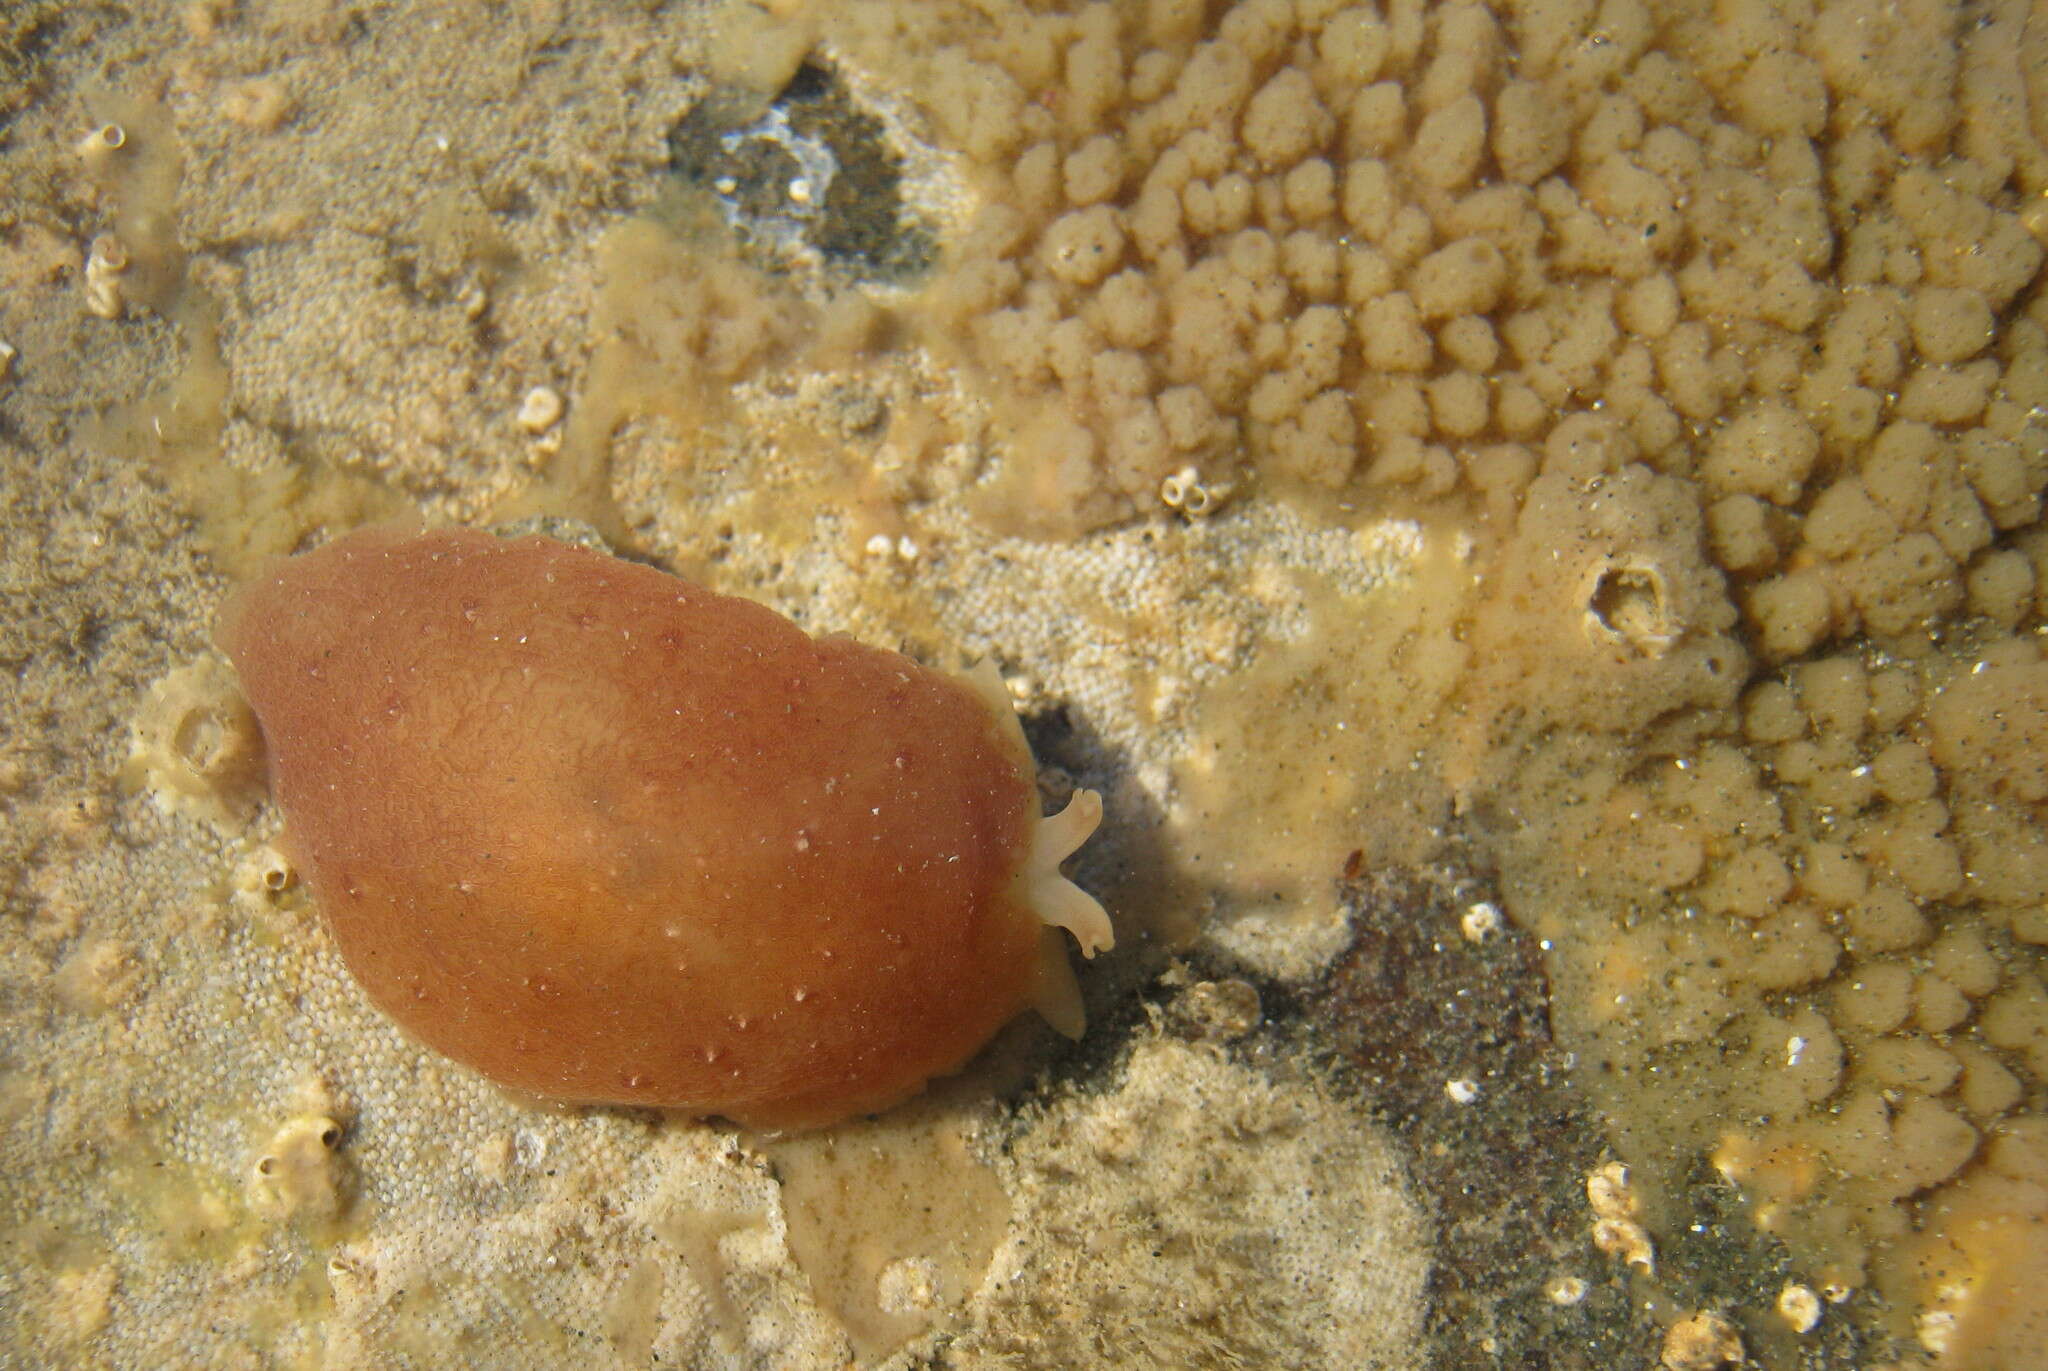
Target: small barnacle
{"type": "Point", "coordinates": [274, 870]}
{"type": "Point", "coordinates": [1627, 605]}
{"type": "Point", "coordinates": [1701, 1342]}
{"type": "Point", "coordinates": [104, 264]}
{"type": "Point", "coordinates": [1205, 500]}
{"type": "Point", "coordinates": [1624, 1238]}
{"type": "Point", "coordinates": [351, 1268]}
{"type": "Point", "coordinates": [1799, 1307]}
{"type": "Point", "coordinates": [882, 548]}
{"type": "Point", "coordinates": [1935, 1329]}
{"type": "Point", "coordinates": [263, 882]}
{"type": "Point", "coordinates": [196, 747]}
{"type": "Point", "coordinates": [540, 410]}
{"type": "Point", "coordinates": [297, 1174]}
{"type": "Point", "coordinates": [1609, 1193]}
{"type": "Point", "coordinates": [1184, 491]}
{"type": "Point", "coordinates": [99, 147]}
{"type": "Point", "coordinates": [1565, 1289]}
{"type": "Point", "coordinates": [1480, 921]}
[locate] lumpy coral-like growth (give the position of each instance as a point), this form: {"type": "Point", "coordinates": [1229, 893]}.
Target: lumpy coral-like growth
{"type": "Point", "coordinates": [608, 836]}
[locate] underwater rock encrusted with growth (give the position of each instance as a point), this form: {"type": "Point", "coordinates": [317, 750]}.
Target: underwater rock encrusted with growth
{"type": "Point", "coordinates": [1703, 342]}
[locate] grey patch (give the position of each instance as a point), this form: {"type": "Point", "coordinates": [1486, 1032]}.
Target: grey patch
{"type": "Point", "coordinates": [1413, 1004]}
{"type": "Point", "coordinates": [812, 173]}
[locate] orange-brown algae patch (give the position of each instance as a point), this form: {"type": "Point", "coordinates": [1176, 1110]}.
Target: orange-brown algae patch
{"type": "Point", "coordinates": [609, 837]}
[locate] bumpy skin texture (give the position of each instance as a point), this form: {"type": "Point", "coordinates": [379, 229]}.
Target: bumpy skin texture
{"type": "Point", "coordinates": [607, 836]}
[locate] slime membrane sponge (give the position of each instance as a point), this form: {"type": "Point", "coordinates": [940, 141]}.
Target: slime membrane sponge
{"type": "Point", "coordinates": [609, 837]}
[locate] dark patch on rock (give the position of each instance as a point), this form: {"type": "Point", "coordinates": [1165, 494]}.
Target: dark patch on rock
{"type": "Point", "coordinates": [1413, 1005]}
{"type": "Point", "coordinates": [810, 170]}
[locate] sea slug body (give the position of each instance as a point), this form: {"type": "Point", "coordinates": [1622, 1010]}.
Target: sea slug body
{"type": "Point", "coordinates": [609, 837]}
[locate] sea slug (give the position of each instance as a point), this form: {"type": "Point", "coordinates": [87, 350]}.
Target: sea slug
{"type": "Point", "coordinates": [610, 837]}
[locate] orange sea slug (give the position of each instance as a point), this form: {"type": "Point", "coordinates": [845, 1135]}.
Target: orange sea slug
{"type": "Point", "coordinates": [610, 837]}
